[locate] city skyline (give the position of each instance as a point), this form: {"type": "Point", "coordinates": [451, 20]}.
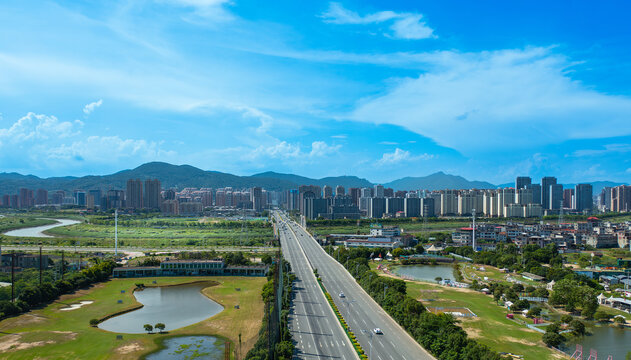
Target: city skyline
{"type": "Point", "coordinates": [377, 90]}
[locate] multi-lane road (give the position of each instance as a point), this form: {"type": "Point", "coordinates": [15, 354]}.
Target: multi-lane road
{"type": "Point", "coordinates": [314, 327]}
{"type": "Point", "coordinates": [360, 311]}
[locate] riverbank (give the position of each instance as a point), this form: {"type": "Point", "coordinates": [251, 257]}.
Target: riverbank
{"type": "Point", "coordinates": [40, 231]}
{"type": "Point", "coordinates": [52, 333]}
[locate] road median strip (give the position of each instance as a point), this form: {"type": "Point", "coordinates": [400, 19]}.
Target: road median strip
{"type": "Point", "coordinates": [340, 318]}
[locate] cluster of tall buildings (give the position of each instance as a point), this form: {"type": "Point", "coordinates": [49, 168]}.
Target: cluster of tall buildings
{"type": "Point", "coordinates": [526, 199]}
{"type": "Point", "coordinates": [616, 199]}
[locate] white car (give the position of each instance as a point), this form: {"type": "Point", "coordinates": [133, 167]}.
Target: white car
{"type": "Point", "coordinates": [377, 331]}
{"type": "Point", "coordinates": [342, 295]}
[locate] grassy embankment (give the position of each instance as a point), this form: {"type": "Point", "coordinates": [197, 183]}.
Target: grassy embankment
{"type": "Point", "coordinates": [13, 222]}
{"type": "Point", "coordinates": [49, 333]}
{"type": "Point", "coordinates": [412, 226]}
{"type": "Point", "coordinates": [157, 233]}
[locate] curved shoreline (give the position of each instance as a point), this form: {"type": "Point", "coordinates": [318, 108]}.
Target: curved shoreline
{"type": "Point", "coordinates": [138, 305]}
{"type": "Point", "coordinates": [39, 231]}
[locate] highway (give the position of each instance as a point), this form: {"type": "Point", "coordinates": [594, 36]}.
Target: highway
{"type": "Point", "coordinates": [360, 311]}
{"type": "Point", "coordinates": [316, 332]}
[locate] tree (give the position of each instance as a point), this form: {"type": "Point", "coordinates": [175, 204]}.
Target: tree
{"type": "Point", "coordinates": [577, 327]}
{"type": "Point", "coordinates": [438, 279]}
{"type": "Point", "coordinates": [620, 319]}
{"type": "Point", "coordinates": [148, 328]}
{"type": "Point", "coordinates": [266, 259]}
{"type": "Point", "coordinates": [520, 305]}
{"type": "Point", "coordinates": [552, 339]}
{"type": "Point", "coordinates": [160, 327]}
{"type": "Point", "coordinates": [517, 287]}
{"type": "Point", "coordinates": [284, 350]}
{"type": "Point", "coordinates": [397, 252]}
{"type": "Point", "coordinates": [419, 249]}
{"type": "Point", "coordinates": [567, 318]}
{"type": "Point", "coordinates": [534, 311]}
{"type": "Point", "coordinates": [94, 322]}
{"type": "Point", "coordinates": [602, 316]}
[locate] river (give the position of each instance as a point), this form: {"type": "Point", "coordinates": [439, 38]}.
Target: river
{"type": "Point", "coordinates": [174, 306]}
{"type": "Point", "coordinates": [38, 231]}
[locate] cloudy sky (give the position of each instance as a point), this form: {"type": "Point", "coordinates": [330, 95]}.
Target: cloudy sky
{"type": "Point", "coordinates": [378, 89]}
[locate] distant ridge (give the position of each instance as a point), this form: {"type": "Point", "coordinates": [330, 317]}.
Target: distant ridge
{"type": "Point", "coordinates": [181, 176]}
{"type": "Point", "coordinates": [438, 181]}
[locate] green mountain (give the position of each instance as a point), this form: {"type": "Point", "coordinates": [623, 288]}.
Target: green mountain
{"type": "Point", "coordinates": [181, 176]}
{"type": "Point", "coordinates": [438, 181]}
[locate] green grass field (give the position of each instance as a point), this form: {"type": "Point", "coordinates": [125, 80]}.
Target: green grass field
{"type": "Point", "coordinates": [49, 333]}
{"type": "Point", "coordinates": [412, 227]}
{"type": "Point", "coordinates": [156, 232]}
{"type": "Point", "coordinates": [491, 327]}
{"type": "Point", "coordinates": [13, 222]}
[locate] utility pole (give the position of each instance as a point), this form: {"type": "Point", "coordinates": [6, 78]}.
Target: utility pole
{"type": "Point", "coordinates": [473, 235]}
{"type": "Point", "coordinates": [13, 276]}
{"type": "Point", "coordinates": [115, 233]}
{"type": "Point", "coordinates": [63, 266]}
{"type": "Point", "coordinates": [40, 264]}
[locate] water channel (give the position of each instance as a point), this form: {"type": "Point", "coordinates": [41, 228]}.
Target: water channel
{"type": "Point", "coordinates": [174, 306]}
{"type": "Point", "coordinates": [190, 347]}
{"type": "Point", "coordinates": [425, 272]}
{"type": "Point", "coordinates": [38, 231]}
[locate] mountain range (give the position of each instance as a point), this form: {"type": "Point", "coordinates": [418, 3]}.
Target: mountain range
{"type": "Point", "coordinates": [181, 176]}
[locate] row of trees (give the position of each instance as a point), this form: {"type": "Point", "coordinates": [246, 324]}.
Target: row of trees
{"type": "Point", "coordinates": [135, 222]}
{"type": "Point", "coordinates": [35, 294]}
{"type": "Point", "coordinates": [284, 347]}
{"type": "Point", "coordinates": [439, 334]}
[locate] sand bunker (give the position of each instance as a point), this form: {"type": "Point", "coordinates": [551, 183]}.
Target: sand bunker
{"type": "Point", "coordinates": [76, 306]}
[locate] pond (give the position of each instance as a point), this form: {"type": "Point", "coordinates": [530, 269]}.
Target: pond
{"type": "Point", "coordinates": [38, 231]}
{"type": "Point", "coordinates": [190, 347]}
{"type": "Point", "coordinates": [174, 306]}
{"type": "Point", "coordinates": [606, 340]}
{"type": "Point", "coordinates": [426, 272]}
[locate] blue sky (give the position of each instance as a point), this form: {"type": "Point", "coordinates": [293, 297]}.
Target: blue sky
{"type": "Point", "coordinates": [379, 89]}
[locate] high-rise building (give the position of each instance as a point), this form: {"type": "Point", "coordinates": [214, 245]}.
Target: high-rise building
{"type": "Point", "coordinates": [568, 199]}
{"type": "Point", "coordinates": [428, 207]}
{"type": "Point", "coordinates": [376, 207]}
{"type": "Point", "coordinates": [256, 197]}
{"type": "Point", "coordinates": [522, 181]}
{"type": "Point", "coordinates": [366, 192]}
{"type": "Point", "coordinates": [546, 182]}
{"type": "Point", "coordinates": [152, 198]}
{"type": "Point", "coordinates": [26, 199]}
{"type": "Point", "coordinates": [604, 199]}
{"type": "Point", "coordinates": [394, 205]}
{"type": "Point", "coordinates": [621, 198]}
{"type": "Point", "coordinates": [524, 196]}
{"type": "Point", "coordinates": [327, 191]}
{"type": "Point", "coordinates": [388, 192]}
{"type": "Point", "coordinates": [505, 196]}
{"type": "Point", "coordinates": [584, 194]}
{"type": "Point", "coordinates": [41, 197]}
{"type": "Point", "coordinates": [378, 191]}
{"type": "Point", "coordinates": [308, 192]}
{"type": "Point", "coordinates": [81, 198]}
{"type": "Point", "coordinates": [115, 199]}
{"type": "Point", "coordinates": [536, 193]}
{"type": "Point", "coordinates": [340, 191]}
{"type": "Point", "coordinates": [556, 196]}
{"type": "Point", "coordinates": [314, 207]}
{"type": "Point", "coordinates": [449, 202]}
{"type": "Point", "coordinates": [412, 207]}
{"type": "Point", "coordinates": [355, 194]}
{"type": "Point", "coordinates": [134, 194]}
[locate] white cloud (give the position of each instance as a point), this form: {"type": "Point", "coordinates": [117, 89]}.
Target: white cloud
{"type": "Point", "coordinates": [404, 25]}
{"type": "Point", "coordinates": [209, 9]}
{"type": "Point", "coordinates": [320, 149]}
{"type": "Point", "coordinates": [399, 156]}
{"type": "Point", "coordinates": [339, 136]}
{"type": "Point", "coordinates": [491, 101]}
{"type": "Point", "coordinates": [107, 149]}
{"type": "Point", "coordinates": [388, 143]}
{"type": "Point", "coordinates": [89, 108]}
{"type": "Point", "coordinates": [606, 149]}
{"type": "Point", "coordinates": [37, 127]}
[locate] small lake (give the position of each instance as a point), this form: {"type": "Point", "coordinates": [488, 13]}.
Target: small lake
{"type": "Point", "coordinates": [38, 231]}
{"type": "Point", "coordinates": [425, 272]}
{"type": "Point", "coordinates": [174, 306]}
{"type": "Point", "coordinates": [607, 340]}
{"type": "Point", "coordinates": [190, 347]}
